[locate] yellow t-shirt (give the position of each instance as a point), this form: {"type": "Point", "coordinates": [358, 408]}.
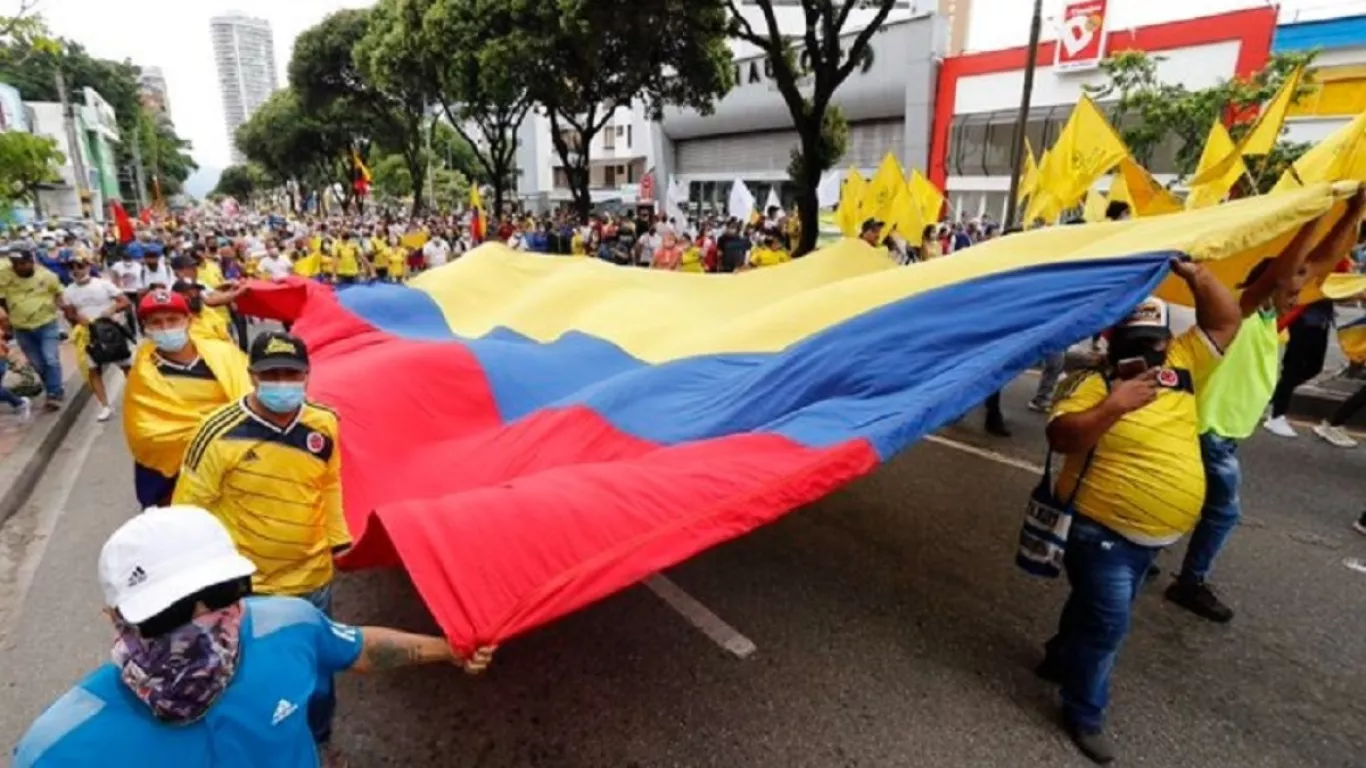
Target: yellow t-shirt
{"type": "Point", "coordinates": [768, 257]}
{"type": "Point", "coordinates": [32, 301]}
{"type": "Point", "coordinates": [397, 259]}
{"type": "Point", "coordinates": [691, 260]}
{"type": "Point", "coordinates": [327, 264]}
{"type": "Point", "coordinates": [278, 492]}
{"type": "Point", "coordinates": [1147, 480]}
{"type": "Point", "coordinates": [577, 245]}
{"type": "Point", "coordinates": [348, 259]}
{"type": "Point", "coordinates": [309, 265]}
{"type": "Point", "coordinates": [210, 274]}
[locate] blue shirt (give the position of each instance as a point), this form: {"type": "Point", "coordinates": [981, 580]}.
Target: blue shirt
{"type": "Point", "coordinates": [261, 720]}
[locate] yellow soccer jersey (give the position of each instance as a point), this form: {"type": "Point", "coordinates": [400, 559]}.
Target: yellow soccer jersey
{"type": "Point", "coordinates": [278, 491]}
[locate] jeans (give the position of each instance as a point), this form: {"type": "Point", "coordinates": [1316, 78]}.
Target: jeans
{"type": "Point", "coordinates": [42, 346]}
{"type": "Point", "coordinates": [322, 707]}
{"type": "Point", "coordinates": [7, 397]}
{"type": "Point", "coordinates": [1048, 382]}
{"type": "Point", "coordinates": [1222, 507]}
{"type": "Point", "coordinates": [1106, 572]}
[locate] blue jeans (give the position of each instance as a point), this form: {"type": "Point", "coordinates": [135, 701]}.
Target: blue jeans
{"type": "Point", "coordinates": [323, 706]}
{"type": "Point", "coordinates": [1222, 507]}
{"type": "Point", "coordinates": [41, 346]}
{"type": "Point", "coordinates": [1106, 572]}
{"type": "Point", "coordinates": [7, 397]}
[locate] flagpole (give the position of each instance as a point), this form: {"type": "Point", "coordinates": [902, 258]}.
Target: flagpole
{"type": "Point", "coordinates": [1022, 122]}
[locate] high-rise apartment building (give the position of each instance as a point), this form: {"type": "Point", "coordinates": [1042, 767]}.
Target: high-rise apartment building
{"type": "Point", "coordinates": [244, 50]}
{"type": "Point", "coordinates": [152, 90]}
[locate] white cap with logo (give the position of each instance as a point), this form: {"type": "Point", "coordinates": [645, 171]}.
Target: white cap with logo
{"type": "Point", "coordinates": [164, 555]}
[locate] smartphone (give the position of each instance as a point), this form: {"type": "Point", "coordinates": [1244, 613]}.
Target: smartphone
{"type": "Point", "coordinates": [1131, 368]}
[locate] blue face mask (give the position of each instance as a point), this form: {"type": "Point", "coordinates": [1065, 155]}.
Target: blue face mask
{"type": "Point", "coordinates": [280, 396]}
{"type": "Point", "coordinates": [171, 339]}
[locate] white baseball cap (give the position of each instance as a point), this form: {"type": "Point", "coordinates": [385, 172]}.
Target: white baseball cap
{"type": "Point", "coordinates": [164, 555]}
{"type": "Point", "coordinates": [1152, 316]}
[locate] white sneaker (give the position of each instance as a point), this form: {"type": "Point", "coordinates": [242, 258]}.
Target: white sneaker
{"type": "Point", "coordinates": [1280, 427]}
{"type": "Point", "coordinates": [25, 410]}
{"type": "Point", "coordinates": [105, 413]}
{"type": "Point", "coordinates": [1335, 435]}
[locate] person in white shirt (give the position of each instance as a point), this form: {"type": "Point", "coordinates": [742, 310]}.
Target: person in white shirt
{"type": "Point", "coordinates": [437, 251]}
{"type": "Point", "coordinates": [274, 266]}
{"type": "Point", "coordinates": [126, 274]}
{"type": "Point", "coordinates": [156, 272]}
{"type": "Point", "coordinates": [87, 300]}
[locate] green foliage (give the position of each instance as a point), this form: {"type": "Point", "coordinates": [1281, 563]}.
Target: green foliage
{"type": "Point", "coordinates": [241, 182]}
{"type": "Point", "coordinates": [26, 161]}
{"type": "Point", "coordinates": [1148, 112]}
{"type": "Point", "coordinates": [581, 58]}
{"type": "Point", "coordinates": [391, 179]}
{"type": "Point", "coordinates": [290, 142]}
{"type": "Point", "coordinates": [808, 71]}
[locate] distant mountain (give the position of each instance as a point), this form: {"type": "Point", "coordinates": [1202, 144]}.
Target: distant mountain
{"type": "Point", "coordinates": [202, 182]}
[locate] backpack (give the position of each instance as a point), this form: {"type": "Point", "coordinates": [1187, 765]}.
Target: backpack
{"type": "Point", "coordinates": [109, 342]}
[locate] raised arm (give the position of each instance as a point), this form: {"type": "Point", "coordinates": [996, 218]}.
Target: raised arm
{"type": "Point", "coordinates": [1216, 311]}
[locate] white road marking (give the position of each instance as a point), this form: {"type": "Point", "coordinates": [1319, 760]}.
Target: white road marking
{"type": "Point", "coordinates": [1355, 564]}
{"type": "Point", "coordinates": [999, 458]}
{"type": "Point", "coordinates": [701, 617]}
{"type": "Point", "coordinates": [25, 536]}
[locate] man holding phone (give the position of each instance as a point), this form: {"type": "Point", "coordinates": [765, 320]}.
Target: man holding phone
{"type": "Point", "coordinates": [1135, 429]}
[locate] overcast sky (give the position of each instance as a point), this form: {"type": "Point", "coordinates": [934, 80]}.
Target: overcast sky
{"type": "Point", "coordinates": [174, 35]}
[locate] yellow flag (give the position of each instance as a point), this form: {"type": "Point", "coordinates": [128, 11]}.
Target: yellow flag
{"type": "Point", "coordinates": [1267, 130]}
{"type": "Point", "coordinates": [1340, 157]}
{"type": "Point", "coordinates": [1087, 149]}
{"type": "Point", "coordinates": [1119, 190]}
{"type": "Point", "coordinates": [1094, 210]}
{"type": "Point", "coordinates": [1258, 141]}
{"type": "Point", "coordinates": [903, 216]}
{"type": "Point", "coordinates": [848, 216]}
{"type": "Point", "coordinates": [1029, 180]}
{"type": "Point", "coordinates": [926, 197]}
{"type": "Point", "coordinates": [1146, 196]}
{"type": "Point", "coordinates": [878, 200]}
{"type": "Point", "coordinates": [1218, 146]}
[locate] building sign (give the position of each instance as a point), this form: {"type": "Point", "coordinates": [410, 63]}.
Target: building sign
{"type": "Point", "coordinates": [760, 70]}
{"type": "Point", "coordinates": [1081, 35]}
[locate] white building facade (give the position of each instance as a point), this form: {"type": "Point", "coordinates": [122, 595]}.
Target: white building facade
{"type": "Point", "coordinates": [244, 52]}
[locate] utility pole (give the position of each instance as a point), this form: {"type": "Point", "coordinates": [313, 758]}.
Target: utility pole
{"type": "Point", "coordinates": [1022, 121]}
{"type": "Point", "coordinates": [73, 141]}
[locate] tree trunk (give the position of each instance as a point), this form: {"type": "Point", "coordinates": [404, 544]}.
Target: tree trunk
{"type": "Point", "coordinates": [418, 170]}
{"type": "Point", "coordinates": [808, 206]}
{"type": "Point", "coordinates": [583, 199]}
{"type": "Point", "coordinates": [37, 204]}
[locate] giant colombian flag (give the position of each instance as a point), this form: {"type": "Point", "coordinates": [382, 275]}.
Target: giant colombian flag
{"type": "Point", "coordinates": [528, 434]}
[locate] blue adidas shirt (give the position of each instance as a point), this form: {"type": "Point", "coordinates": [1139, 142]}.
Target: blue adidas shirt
{"type": "Point", "coordinates": [261, 720]}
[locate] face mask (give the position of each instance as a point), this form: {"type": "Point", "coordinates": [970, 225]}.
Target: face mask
{"type": "Point", "coordinates": [280, 396]}
{"type": "Point", "coordinates": [1124, 348]}
{"type": "Point", "coordinates": [181, 674]}
{"type": "Point", "coordinates": [170, 339]}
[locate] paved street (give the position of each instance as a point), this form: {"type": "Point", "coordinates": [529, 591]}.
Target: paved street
{"type": "Point", "coordinates": [892, 629]}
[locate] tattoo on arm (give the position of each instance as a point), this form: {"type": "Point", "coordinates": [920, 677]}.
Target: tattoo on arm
{"type": "Point", "coordinates": [386, 654]}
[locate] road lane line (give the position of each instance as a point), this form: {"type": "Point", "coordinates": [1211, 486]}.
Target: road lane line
{"type": "Point", "coordinates": [701, 617]}
{"type": "Point", "coordinates": [999, 458]}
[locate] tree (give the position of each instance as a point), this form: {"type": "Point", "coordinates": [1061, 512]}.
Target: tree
{"type": "Point", "coordinates": [581, 59]}
{"type": "Point", "coordinates": [822, 133]}
{"type": "Point", "coordinates": [311, 148]}
{"type": "Point", "coordinates": [390, 178]}
{"type": "Point", "coordinates": [240, 181]}
{"type": "Point", "coordinates": [26, 163]}
{"type": "Point", "coordinates": [340, 63]}
{"type": "Point", "coordinates": [460, 37]}
{"type": "Point", "coordinates": [1150, 113]}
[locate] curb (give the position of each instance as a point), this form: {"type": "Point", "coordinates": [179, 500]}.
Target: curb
{"type": "Point", "coordinates": [1312, 403]}
{"type": "Point", "coordinates": [18, 480]}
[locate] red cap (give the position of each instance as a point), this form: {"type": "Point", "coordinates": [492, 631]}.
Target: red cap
{"type": "Point", "coordinates": [162, 301]}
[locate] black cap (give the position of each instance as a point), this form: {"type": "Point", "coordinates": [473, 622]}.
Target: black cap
{"type": "Point", "coordinates": [278, 351]}
{"type": "Point", "coordinates": [871, 224]}
{"type": "Point", "coordinates": [183, 262]}
{"type": "Point", "coordinates": [20, 254]}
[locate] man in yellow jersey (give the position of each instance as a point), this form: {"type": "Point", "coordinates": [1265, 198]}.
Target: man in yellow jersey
{"type": "Point", "coordinates": [769, 253]}
{"type": "Point", "coordinates": [269, 466]}
{"type": "Point", "coordinates": [347, 265]}
{"type": "Point", "coordinates": [175, 381]}
{"type": "Point", "coordinates": [1132, 441]}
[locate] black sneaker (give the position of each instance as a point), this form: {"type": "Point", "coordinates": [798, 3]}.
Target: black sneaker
{"type": "Point", "coordinates": [1360, 524]}
{"type": "Point", "coordinates": [1199, 599]}
{"type": "Point", "coordinates": [1049, 669]}
{"type": "Point", "coordinates": [1154, 571]}
{"type": "Point", "coordinates": [1096, 746]}
{"type": "Point", "coordinates": [997, 427]}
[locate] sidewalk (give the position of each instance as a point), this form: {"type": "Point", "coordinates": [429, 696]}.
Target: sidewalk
{"type": "Point", "coordinates": [26, 449]}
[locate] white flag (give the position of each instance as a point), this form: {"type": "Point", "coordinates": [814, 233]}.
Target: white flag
{"type": "Point", "coordinates": [828, 193]}
{"type": "Point", "coordinates": [773, 201]}
{"type": "Point", "coordinates": [673, 203]}
{"type": "Point", "coordinates": [741, 203]}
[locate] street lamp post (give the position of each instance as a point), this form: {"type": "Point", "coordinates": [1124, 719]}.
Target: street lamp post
{"type": "Point", "coordinates": [1022, 122]}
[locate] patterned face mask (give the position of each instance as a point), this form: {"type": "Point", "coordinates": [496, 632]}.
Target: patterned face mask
{"type": "Point", "coordinates": [181, 674]}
